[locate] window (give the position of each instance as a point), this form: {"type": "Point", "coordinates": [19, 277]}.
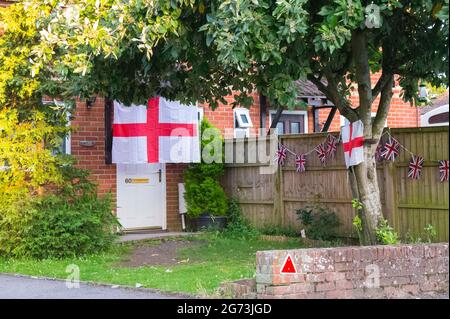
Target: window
{"type": "Point", "coordinates": [65, 146]}
{"type": "Point", "coordinates": [435, 117]}
{"type": "Point", "coordinates": [295, 127]}
{"type": "Point", "coordinates": [438, 118]}
{"type": "Point", "coordinates": [242, 122]}
{"type": "Point", "coordinates": [280, 128]}
{"type": "Point", "coordinates": [291, 122]}
{"type": "Point", "coordinates": [242, 117]}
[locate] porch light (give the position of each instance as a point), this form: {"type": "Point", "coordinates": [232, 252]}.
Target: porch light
{"type": "Point", "coordinates": [90, 102]}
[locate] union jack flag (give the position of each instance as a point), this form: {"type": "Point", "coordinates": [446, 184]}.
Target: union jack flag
{"type": "Point", "coordinates": [378, 153]}
{"type": "Point", "coordinates": [281, 155]}
{"type": "Point", "coordinates": [331, 144]}
{"type": "Point", "coordinates": [415, 167]}
{"type": "Point", "coordinates": [300, 161]}
{"type": "Point", "coordinates": [391, 149]}
{"type": "Point", "coordinates": [321, 153]}
{"type": "Point", "coordinates": [443, 169]}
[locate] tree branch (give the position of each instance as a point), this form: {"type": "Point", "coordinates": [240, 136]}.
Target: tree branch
{"type": "Point", "coordinates": [385, 77]}
{"type": "Point", "coordinates": [362, 72]}
{"type": "Point", "coordinates": [383, 108]}
{"type": "Point", "coordinates": [332, 93]}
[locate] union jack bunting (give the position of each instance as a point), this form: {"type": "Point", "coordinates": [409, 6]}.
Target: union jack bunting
{"type": "Point", "coordinates": [300, 161]}
{"type": "Point", "coordinates": [281, 155]}
{"type": "Point", "coordinates": [415, 167]}
{"type": "Point", "coordinates": [391, 150]}
{"type": "Point", "coordinates": [443, 169]}
{"type": "Point", "coordinates": [321, 153]}
{"type": "Point", "coordinates": [331, 144]}
{"type": "Point", "coordinates": [378, 152]}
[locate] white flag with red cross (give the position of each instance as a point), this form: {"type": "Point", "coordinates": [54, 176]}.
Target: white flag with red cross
{"type": "Point", "coordinates": [352, 142]}
{"type": "Point", "coordinates": [161, 132]}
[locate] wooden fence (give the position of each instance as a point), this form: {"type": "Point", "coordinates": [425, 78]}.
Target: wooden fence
{"type": "Point", "coordinates": [409, 205]}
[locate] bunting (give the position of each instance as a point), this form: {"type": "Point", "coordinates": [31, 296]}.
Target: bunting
{"type": "Point", "coordinates": [389, 151]}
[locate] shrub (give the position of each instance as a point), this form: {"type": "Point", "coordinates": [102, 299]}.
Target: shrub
{"type": "Point", "coordinates": [237, 226]}
{"type": "Point", "coordinates": [430, 233]}
{"type": "Point", "coordinates": [386, 234]}
{"type": "Point", "coordinates": [69, 221]}
{"type": "Point", "coordinates": [203, 192]}
{"type": "Point", "coordinates": [205, 197]}
{"type": "Point", "coordinates": [320, 224]}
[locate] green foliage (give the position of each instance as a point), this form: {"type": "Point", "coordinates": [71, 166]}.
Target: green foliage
{"type": "Point", "coordinates": [274, 230]}
{"type": "Point", "coordinates": [356, 204]}
{"type": "Point", "coordinates": [386, 234]}
{"type": "Point", "coordinates": [319, 222]}
{"type": "Point", "coordinates": [430, 233]}
{"type": "Point", "coordinates": [357, 223]}
{"type": "Point", "coordinates": [68, 221]}
{"type": "Point", "coordinates": [26, 162]}
{"type": "Point", "coordinates": [203, 192]}
{"type": "Point", "coordinates": [59, 228]}
{"type": "Point", "coordinates": [237, 226]}
{"type": "Point", "coordinates": [18, 88]}
{"type": "Point", "coordinates": [205, 197]}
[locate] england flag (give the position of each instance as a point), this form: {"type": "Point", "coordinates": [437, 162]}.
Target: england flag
{"type": "Point", "coordinates": [352, 142]}
{"type": "Point", "coordinates": [162, 132]}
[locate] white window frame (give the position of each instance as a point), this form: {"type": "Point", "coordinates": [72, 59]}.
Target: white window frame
{"type": "Point", "coordinates": [424, 119]}
{"type": "Point", "coordinates": [295, 112]}
{"type": "Point", "coordinates": [238, 112]}
{"type": "Point", "coordinates": [344, 120]}
{"type": "Point", "coordinates": [68, 149]}
{"type": "Point", "coordinates": [241, 130]}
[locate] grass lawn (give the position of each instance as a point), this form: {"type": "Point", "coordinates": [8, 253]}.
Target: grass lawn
{"type": "Point", "coordinates": [212, 261]}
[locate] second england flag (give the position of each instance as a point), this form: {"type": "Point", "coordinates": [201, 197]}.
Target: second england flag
{"type": "Point", "coordinates": [352, 142]}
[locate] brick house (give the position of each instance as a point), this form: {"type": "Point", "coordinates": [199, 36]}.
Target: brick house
{"type": "Point", "coordinates": [89, 144]}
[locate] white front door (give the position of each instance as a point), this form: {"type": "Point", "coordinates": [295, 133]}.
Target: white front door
{"type": "Point", "coordinates": [141, 195]}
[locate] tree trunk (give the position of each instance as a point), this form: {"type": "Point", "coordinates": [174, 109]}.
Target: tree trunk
{"type": "Point", "coordinates": [369, 195]}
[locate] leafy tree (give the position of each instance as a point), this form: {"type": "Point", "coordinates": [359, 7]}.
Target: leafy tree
{"type": "Point", "coordinates": [199, 50]}
{"type": "Point", "coordinates": [338, 44]}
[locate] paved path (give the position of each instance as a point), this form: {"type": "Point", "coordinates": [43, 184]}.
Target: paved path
{"type": "Point", "coordinates": [151, 235]}
{"type": "Point", "coordinates": [18, 287]}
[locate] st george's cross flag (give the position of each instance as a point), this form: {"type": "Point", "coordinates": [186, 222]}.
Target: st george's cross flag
{"type": "Point", "coordinates": [162, 132]}
{"type": "Point", "coordinates": [352, 142]}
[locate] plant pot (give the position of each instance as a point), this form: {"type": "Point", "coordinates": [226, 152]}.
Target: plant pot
{"type": "Point", "coordinates": [207, 222]}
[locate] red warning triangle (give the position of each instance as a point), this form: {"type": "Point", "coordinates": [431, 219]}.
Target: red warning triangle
{"type": "Point", "coordinates": [288, 267]}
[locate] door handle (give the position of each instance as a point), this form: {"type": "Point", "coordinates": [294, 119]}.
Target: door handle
{"type": "Point", "coordinates": [160, 175]}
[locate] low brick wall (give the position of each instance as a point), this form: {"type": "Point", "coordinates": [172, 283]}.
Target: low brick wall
{"type": "Point", "coordinates": [399, 271]}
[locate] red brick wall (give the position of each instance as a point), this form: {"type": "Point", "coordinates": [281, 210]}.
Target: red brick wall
{"type": "Point", "coordinates": [89, 125]}
{"type": "Point", "coordinates": [398, 271]}
{"type": "Point", "coordinates": [174, 175]}
{"type": "Point", "coordinates": [222, 117]}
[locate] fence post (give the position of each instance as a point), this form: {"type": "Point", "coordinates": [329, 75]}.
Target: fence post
{"type": "Point", "coordinates": [278, 204]}
{"type": "Point", "coordinates": [390, 193]}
